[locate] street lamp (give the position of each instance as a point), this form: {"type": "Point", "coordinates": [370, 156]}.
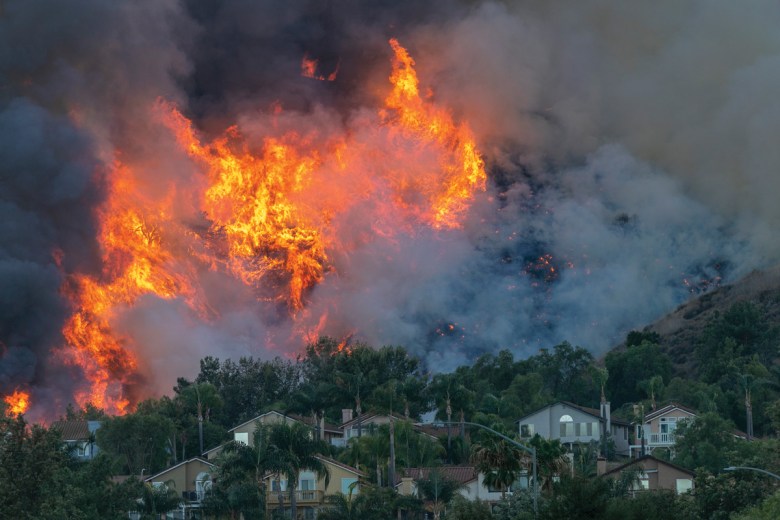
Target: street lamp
{"type": "Point", "coordinates": [529, 449]}
{"type": "Point", "coordinates": [735, 468]}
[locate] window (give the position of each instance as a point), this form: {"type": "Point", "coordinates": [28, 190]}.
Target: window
{"type": "Point", "coordinates": [278, 485]}
{"type": "Point", "coordinates": [526, 430]}
{"type": "Point", "coordinates": [684, 485]}
{"type": "Point", "coordinates": [567, 426]}
{"type": "Point", "coordinates": [347, 483]}
{"type": "Point", "coordinates": [242, 437]}
{"type": "Point", "coordinates": [589, 429]}
{"type": "Point", "coordinates": [307, 481]}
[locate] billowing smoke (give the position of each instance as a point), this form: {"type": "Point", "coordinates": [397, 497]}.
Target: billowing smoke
{"type": "Point", "coordinates": [627, 146]}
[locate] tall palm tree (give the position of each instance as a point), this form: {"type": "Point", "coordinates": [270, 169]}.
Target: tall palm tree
{"type": "Point", "coordinates": [289, 449]}
{"type": "Point", "coordinates": [499, 461]}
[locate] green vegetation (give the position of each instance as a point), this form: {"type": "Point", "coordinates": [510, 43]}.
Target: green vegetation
{"type": "Point", "coordinates": [735, 387]}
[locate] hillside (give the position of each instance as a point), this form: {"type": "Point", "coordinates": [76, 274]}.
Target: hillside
{"type": "Point", "coordinates": [680, 329]}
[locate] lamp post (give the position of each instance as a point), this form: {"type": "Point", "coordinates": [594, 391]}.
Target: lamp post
{"type": "Point", "coordinates": [735, 468]}
{"type": "Point", "coordinates": [529, 449]}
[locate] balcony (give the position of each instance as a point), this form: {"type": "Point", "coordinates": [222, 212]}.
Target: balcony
{"type": "Point", "coordinates": [302, 497]}
{"type": "Point", "coordinates": [661, 439]}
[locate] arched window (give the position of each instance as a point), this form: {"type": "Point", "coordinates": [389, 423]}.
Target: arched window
{"type": "Point", "coordinates": [567, 426]}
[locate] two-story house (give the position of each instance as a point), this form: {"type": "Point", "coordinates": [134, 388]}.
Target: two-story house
{"type": "Point", "coordinates": [574, 425]}
{"type": "Point", "coordinates": [657, 429]}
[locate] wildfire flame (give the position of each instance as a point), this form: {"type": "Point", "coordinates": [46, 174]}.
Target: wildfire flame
{"type": "Point", "coordinates": [309, 70]}
{"type": "Point", "coordinates": [271, 210]}
{"type": "Point", "coordinates": [18, 402]}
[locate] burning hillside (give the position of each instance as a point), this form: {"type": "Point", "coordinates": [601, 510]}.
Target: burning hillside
{"type": "Point", "coordinates": [271, 212]}
{"type": "Point", "coordinates": [182, 179]}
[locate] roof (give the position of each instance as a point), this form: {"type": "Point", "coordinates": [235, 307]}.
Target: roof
{"type": "Point", "coordinates": [166, 470]}
{"type": "Point", "coordinates": [333, 462]}
{"type": "Point", "coordinates": [366, 416]}
{"type": "Point", "coordinates": [73, 430]}
{"type": "Point", "coordinates": [584, 409]}
{"type": "Point", "coordinates": [648, 457]}
{"type": "Point", "coordinates": [309, 421]}
{"type": "Point", "coordinates": [460, 474]}
{"type": "Point", "coordinates": [668, 408]}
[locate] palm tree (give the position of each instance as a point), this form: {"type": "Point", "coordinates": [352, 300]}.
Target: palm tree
{"type": "Point", "coordinates": [437, 489]}
{"type": "Point", "coordinates": [499, 461]}
{"type": "Point", "coordinates": [288, 449]}
{"type": "Point", "coordinates": [550, 458]}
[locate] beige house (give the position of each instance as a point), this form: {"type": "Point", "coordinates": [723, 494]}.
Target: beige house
{"type": "Point", "coordinates": [654, 474]}
{"type": "Point", "coordinates": [245, 432]}
{"type": "Point", "coordinates": [368, 423]}
{"type": "Point", "coordinates": [190, 480]}
{"type": "Point", "coordinates": [311, 491]}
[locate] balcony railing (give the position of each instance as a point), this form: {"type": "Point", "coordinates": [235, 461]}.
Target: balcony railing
{"type": "Point", "coordinates": [662, 438]}
{"type": "Point", "coordinates": [302, 497]}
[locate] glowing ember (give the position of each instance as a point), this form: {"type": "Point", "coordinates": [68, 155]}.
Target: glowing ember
{"type": "Point", "coordinates": [17, 402]}
{"type": "Point", "coordinates": [309, 70]}
{"type": "Point", "coordinates": [273, 209]}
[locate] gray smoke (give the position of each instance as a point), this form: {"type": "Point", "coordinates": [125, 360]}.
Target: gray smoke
{"type": "Point", "coordinates": [628, 144]}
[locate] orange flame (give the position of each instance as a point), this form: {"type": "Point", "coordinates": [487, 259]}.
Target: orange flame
{"type": "Point", "coordinates": [309, 70]}
{"type": "Point", "coordinates": [273, 212]}
{"type": "Point", "coordinates": [18, 402]}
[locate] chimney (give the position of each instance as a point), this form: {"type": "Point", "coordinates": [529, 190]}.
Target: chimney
{"type": "Point", "coordinates": [606, 414]}
{"type": "Point", "coordinates": [601, 466]}
{"type": "Point", "coordinates": [346, 415]}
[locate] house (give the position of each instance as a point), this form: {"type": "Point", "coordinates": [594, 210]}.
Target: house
{"type": "Point", "coordinates": [79, 436]}
{"type": "Point", "coordinates": [657, 429]}
{"type": "Point", "coordinates": [653, 474]}
{"type": "Point", "coordinates": [190, 480]}
{"type": "Point", "coordinates": [472, 482]}
{"type": "Point", "coordinates": [368, 423]}
{"type": "Point", "coordinates": [311, 491]}
{"type": "Point", "coordinates": [245, 432]}
{"type": "Point", "coordinates": [573, 424]}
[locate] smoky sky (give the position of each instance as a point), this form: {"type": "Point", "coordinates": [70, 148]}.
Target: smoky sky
{"type": "Point", "coordinates": [628, 146]}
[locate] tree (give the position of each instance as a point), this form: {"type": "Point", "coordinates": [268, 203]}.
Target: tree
{"type": "Point", "coordinates": [741, 331]}
{"type": "Point", "coordinates": [461, 508]}
{"type": "Point", "coordinates": [371, 503]}
{"type": "Point", "coordinates": [566, 371]}
{"type": "Point", "coordinates": [718, 497]}
{"type": "Point", "coordinates": [237, 488]}
{"type": "Point", "coordinates": [707, 442]}
{"type": "Point", "coordinates": [769, 509]}
{"type": "Point", "coordinates": [551, 460]}
{"type": "Point", "coordinates": [517, 506]}
{"type": "Point", "coordinates": [437, 489]}
{"type": "Point", "coordinates": [288, 449]}
{"type": "Point", "coordinates": [500, 461]}
{"type": "Point", "coordinates": [40, 480]}
{"type": "Point", "coordinates": [157, 500]}
{"type": "Point", "coordinates": [637, 363]}
{"type": "Point", "coordinates": [577, 498]}
{"type": "Point", "coordinates": [137, 440]}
